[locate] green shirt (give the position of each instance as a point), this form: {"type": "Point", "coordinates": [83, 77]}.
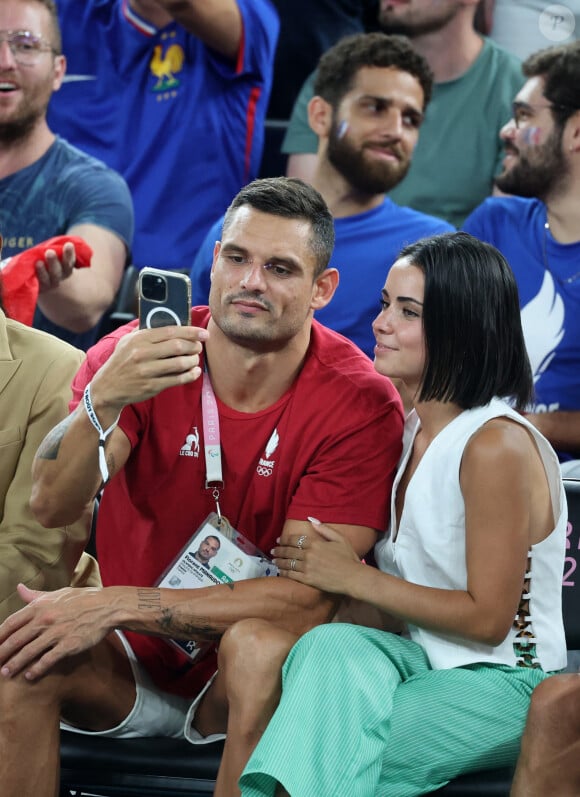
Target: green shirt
{"type": "Point", "coordinates": [459, 150]}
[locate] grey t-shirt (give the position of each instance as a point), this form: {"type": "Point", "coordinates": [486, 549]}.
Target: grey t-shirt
{"type": "Point", "coordinates": [63, 188]}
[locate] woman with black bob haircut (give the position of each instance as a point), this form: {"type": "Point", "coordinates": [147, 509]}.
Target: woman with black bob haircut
{"type": "Point", "coordinates": [470, 568]}
{"type": "Point", "coordinates": [471, 321]}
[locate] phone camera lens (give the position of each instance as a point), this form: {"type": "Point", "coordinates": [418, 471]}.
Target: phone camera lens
{"type": "Point", "coordinates": [154, 288]}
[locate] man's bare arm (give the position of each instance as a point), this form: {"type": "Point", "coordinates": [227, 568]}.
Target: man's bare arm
{"type": "Point", "coordinates": [560, 427]}
{"type": "Point", "coordinates": [207, 613]}
{"type": "Point", "coordinates": [64, 623]}
{"type": "Point", "coordinates": [218, 24]}
{"type": "Point", "coordinates": [66, 473]}
{"type": "Point", "coordinates": [79, 301]}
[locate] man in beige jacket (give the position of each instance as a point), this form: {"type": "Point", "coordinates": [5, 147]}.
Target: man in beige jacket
{"type": "Point", "coordinates": [36, 370]}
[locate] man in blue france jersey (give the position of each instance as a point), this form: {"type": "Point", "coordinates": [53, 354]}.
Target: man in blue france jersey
{"type": "Point", "coordinates": [372, 90]}
{"type": "Point", "coordinates": [49, 188]}
{"type": "Point", "coordinates": [173, 96]}
{"type": "Point", "coordinates": [538, 231]}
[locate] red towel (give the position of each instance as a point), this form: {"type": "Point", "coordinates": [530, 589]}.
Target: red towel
{"type": "Point", "coordinates": [19, 280]}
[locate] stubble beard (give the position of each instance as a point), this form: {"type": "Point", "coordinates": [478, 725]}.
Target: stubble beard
{"type": "Point", "coordinates": [23, 122]}
{"type": "Point", "coordinates": [413, 27]}
{"type": "Point", "coordinates": [260, 338]}
{"type": "Point", "coordinates": [539, 179]}
{"type": "Point", "coordinates": [18, 130]}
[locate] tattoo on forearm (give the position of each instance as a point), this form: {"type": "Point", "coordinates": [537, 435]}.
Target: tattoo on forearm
{"type": "Point", "coordinates": [149, 599]}
{"type": "Point", "coordinates": [177, 623]}
{"type": "Point", "coordinates": [166, 619]}
{"type": "Point", "coordinates": [190, 627]}
{"type": "Point", "coordinates": [50, 446]}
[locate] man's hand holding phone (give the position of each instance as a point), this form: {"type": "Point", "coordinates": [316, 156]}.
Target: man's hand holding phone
{"type": "Point", "coordinates": [162, 353]}
{"type": "Point", "coordinates": [144, 363]}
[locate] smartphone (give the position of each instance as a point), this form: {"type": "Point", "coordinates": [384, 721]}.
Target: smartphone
{"type": "Point", "coordinates": [164, 298]}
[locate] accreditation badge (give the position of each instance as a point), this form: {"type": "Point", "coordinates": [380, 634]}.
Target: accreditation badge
{"type": "Point", "coordinates": [216, 554]}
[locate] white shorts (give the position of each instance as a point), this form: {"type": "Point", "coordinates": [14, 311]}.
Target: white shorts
{"type": "Point", "coordinates": [154, 713]}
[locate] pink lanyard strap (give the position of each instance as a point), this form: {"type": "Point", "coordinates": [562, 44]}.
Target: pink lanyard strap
{"type": "Point", "coordinates": [211, 438]}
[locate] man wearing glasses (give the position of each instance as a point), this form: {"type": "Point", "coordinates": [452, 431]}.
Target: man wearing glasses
{"type": "Point", "coordinates": [48, 188]}
{"type": "Point", "coordinates": [457, 155]}
{"type": "Point", "coordinates": [538, 231]}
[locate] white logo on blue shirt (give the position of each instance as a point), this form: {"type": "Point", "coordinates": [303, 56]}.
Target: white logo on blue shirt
{"type": "Point", "coordinates": [543, 325]}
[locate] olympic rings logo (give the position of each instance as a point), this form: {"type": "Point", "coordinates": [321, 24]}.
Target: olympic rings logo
{"type": "Point", "coordinates": [261, 471]}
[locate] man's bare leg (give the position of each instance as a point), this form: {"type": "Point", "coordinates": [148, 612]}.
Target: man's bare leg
{"type": "Point", "coordinates": [244, 694]}
{"type": "Point", "coordinates": [94, 690]}
{"type": "Point", "coordinates": [549, 762]}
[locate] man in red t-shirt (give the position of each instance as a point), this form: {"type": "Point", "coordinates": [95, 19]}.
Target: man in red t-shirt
{"type": "Point", "coordinates": [306, 428]}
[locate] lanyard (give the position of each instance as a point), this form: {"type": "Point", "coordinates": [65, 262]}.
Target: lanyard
{"type": "Point", "coordinates": [211, 438]}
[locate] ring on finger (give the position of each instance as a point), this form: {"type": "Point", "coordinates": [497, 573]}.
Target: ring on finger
{"type": "Point", "coordinates": [293, 564]}
{"type": "Point", "coordinates": [301, 540]}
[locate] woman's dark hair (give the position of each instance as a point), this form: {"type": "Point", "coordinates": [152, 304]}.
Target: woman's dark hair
{"type": "Point", "coordinates": [471, 321]}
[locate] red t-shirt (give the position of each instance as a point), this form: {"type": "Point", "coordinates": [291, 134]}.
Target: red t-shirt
{"type": "Point", "coordinates": [327, 448]}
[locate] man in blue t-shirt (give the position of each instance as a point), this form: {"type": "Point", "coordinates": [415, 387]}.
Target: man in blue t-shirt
{"type": "Point", "coordinates": [372, 91]}
{"type": "Point", "coordinates": [48, 188]}
{"type": "Point", "coordinates": [458, 153]}
{"type": "Point", "coordinates": [173, 96]}
{"type": "Point", "coordinates": [538, 231]}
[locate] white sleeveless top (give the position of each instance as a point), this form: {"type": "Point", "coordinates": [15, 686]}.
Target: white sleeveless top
{"type": "Point", "coordinates": [429, 548]}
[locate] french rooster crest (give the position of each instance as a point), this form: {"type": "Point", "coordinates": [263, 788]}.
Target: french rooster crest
{"type": "Point", "coordinates": [164, 67]}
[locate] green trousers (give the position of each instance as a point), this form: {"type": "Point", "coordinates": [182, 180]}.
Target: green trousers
{"type": "Point", "coordinates": [362, 714]}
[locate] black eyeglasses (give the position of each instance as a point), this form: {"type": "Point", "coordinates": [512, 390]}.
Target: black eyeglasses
{"type": "Point", "coordinates": [25, 46]}
{"type": "Point", "coordinates": [521, 110]}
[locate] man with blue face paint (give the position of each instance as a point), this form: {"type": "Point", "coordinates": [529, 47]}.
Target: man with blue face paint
{"type": "Point", "coordinates": [458, 153]}
{"type": "Point", "coordinates": [371, 94]}
{"type": "Point", "coordinates": [538, 231]}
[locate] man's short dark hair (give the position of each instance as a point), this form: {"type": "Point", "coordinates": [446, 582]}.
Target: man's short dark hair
{"type": "Point", "coordinates": [339, 66]}
{"type": "Point", "coordinates": [50, 5]}
{"type": "Point", "coordinates": [560, 68]}
{"type": "Point", "coordinates": [472, 324]}
{"type": "Point", "coordinates": [290, 198]}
